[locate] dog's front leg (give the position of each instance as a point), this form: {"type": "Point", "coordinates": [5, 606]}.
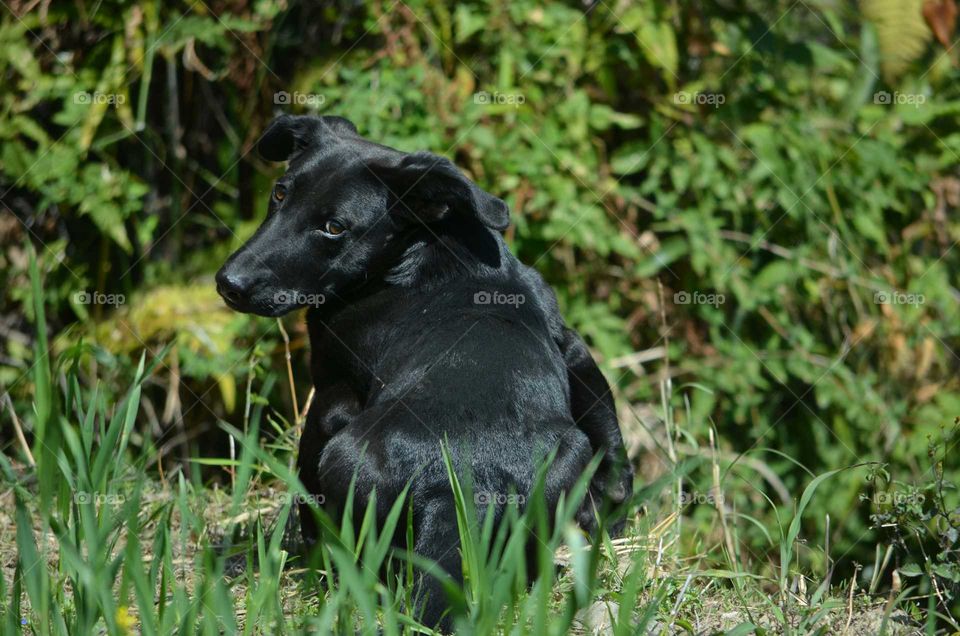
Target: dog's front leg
{"type": "Point", "coordinates": [593, 410]}
{"type": "Point", "coordinates": [333, 408]}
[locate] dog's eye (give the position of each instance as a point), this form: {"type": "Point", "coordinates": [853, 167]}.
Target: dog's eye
{"type": "Point", "coordinates": [279, 192]}
{"type": "Point", "coordinates": [334, 228]}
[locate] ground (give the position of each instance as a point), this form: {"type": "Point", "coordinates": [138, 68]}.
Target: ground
{"type": "Point", "coordinates": [699, 603]}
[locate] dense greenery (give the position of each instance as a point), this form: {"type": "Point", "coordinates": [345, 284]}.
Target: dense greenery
{"type": "Point", "coordinates": [748, 208]}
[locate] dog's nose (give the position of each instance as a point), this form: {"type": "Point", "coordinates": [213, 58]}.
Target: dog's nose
{"type": "Point", "coordinates": [231, 287]}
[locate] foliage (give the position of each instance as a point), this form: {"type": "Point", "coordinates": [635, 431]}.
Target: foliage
{"type": "Point", "coordinates": [924, 523]}
{"type": "Point", "coordinates": [754, 197]}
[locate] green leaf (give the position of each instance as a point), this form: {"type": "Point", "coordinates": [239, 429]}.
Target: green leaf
{"type": "Point", "coordinates": [911, 570]}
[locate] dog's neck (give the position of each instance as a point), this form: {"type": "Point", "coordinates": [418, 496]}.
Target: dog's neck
{"type": "Point", "coordinates": [442, 251]}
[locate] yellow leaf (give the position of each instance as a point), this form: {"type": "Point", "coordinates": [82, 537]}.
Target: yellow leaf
{"type": "Point", "coordinates": [228, 391]}
{"type": "Point", "coordinates": [125, 622]}
{"type": "Point", "coordinates": [901, 30]}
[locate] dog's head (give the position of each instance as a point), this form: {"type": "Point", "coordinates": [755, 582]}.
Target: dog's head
{"type": "Point", "coordinates": [341, 214]}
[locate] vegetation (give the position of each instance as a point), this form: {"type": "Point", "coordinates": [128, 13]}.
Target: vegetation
{"type": "Point", "coordinates": [748, 208]}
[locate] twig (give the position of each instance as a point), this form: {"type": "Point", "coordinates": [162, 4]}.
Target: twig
{"type": "Point", "coordinates": [933, 578]}
{"type": "Point", "coordinates": [656, 565]}
{"type": "Point", "coordinates": [826, 551]}
{"type": "Point", "coordinates": [246, 420]}
{"type": "Point", "coordinates": [853, 587]}
{"type": "Point", "coordinates": [293, 390]}
{"type": "Point", "coordinates": [298, 427]}
{"type": "Point", "coordinates": [172, 404]}
{"type": "Point", "coordinates": [307, 405]}
{"type": "Point", "coordinates": [718, 501]}
{"type": "Point", "coordinates": [173, 411]}
{"type": "Point", "coordinates": [878, 572]}
{"type": "Point", "coordinates": [639, 357]}
{"type": "Point", "coordinates": [666, 333]}
{"type": "Point", "coordinates": [680, 597]}
{"type": "Point", "coordinates": [19, 431]}
{"type": "Point", "coordinates": [666, 392]}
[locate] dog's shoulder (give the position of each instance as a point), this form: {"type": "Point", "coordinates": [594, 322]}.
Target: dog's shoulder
{"type": "Point", "coordinates": [545, 297]}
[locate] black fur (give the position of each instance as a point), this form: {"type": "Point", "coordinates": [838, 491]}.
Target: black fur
{"type": "Point", "coordinates": [423, 327]}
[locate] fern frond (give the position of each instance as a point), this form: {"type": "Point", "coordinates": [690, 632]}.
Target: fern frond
{"type": "Point", "coordinates": [901, 30]}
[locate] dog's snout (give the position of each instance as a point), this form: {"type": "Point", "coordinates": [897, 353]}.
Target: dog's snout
{"type": "Point", "coordinates": [232, 287]}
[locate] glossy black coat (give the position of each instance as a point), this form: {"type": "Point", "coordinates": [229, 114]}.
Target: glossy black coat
{"type": "Point", "coordinates": [423, 328]}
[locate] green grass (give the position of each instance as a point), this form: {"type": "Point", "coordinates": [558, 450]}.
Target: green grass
{"type": "Point", "coordinates": [103, 546]}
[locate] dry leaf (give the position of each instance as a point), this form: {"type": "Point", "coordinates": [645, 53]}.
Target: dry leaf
{"type": "Point", "coordinates": [941, 16]}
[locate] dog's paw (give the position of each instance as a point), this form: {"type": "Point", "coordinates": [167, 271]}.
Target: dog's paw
{"type": "Point", "coordinates": [613, 481]}
{"type": "Point", "coordinates": [610, 488]}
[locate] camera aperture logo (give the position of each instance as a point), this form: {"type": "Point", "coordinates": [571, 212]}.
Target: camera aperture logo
{"type": "Point", "coordinates": [696, 98]}
{"type": "Point", "coordinates": [99, 298]}
{"type": "Point", "coordinates": [899, 99]}
{"type": "Point", "coordinates": [299, 299]}
{"type": "Point", "coordinates": [297, 499]}
{"type": "Point", "coordinates": [899, 298]}
{"type": "Point", "coordinates": [498, 298]}
{"type": "Point", "coordinates": [485, 498]}
{"type": "Point", "coordinates": [698, 298]}
{"type": "Point", "coordinates": [83, 497]}
{"type": "Point", "coordinates": [97, 97]}
{"type": "Point", "coordinates": [310, 100]}
{"type": "Point", "coordinates": [496, 98]}
{"type": "Point", "coordinates": [702, 498]}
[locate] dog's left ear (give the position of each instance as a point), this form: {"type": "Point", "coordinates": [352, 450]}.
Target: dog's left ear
{"type": "Point", "coordinates": [427, 187]}
{"type": "Point", "coordinates": [288, 135]}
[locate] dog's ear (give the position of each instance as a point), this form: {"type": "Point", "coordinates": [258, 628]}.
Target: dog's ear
{"type": "Point", "coordinates": [289, 134]}
{"type": "Point", "coordinates": [427, 187]}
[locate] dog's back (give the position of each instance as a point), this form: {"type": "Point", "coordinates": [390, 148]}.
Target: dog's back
{"type": "Point", "coordinates": [471, 361]}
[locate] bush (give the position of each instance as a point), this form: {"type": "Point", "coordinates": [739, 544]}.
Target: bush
{"type": "Point", "coordinates": [753, 199]}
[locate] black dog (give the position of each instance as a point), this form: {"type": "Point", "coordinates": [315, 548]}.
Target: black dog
{"type": "Point", "coordinates": [423, 327]}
